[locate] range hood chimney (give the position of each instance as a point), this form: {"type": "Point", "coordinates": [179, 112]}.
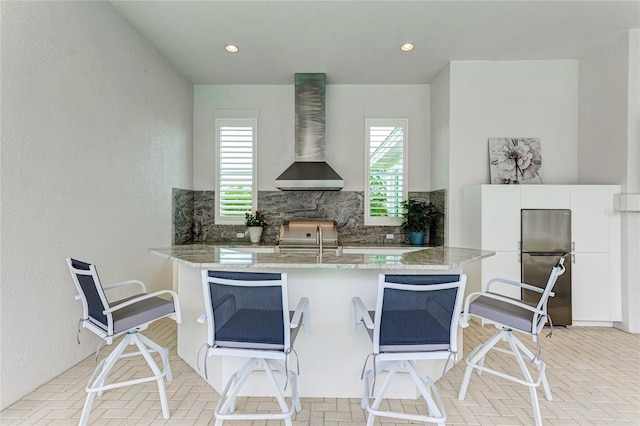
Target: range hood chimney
{"type": "Point", "coordinates": [310, 171]}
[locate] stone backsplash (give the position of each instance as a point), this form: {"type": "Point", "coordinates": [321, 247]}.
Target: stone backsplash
{"type": "Point", "coordinates": [192, 208]}
{"type": "Point", "coordinates": [182, 215]}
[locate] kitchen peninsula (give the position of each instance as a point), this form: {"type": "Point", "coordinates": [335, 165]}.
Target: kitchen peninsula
{"type": "Point", "coordinates": [331, 355]}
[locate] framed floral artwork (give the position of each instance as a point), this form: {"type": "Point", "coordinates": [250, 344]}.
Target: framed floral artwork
{"type": "Point", "coordinates": [515, 160]}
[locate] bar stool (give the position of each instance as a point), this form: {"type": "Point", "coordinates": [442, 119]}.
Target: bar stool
{"type": "Point", "coordinates": [511, 315]}
{"type": "Point", "coordinates": [416, 318]}
{"type": "Point", "coordinates": [247, 316]}
{"type": "Point", "coordinates": [127, 317]}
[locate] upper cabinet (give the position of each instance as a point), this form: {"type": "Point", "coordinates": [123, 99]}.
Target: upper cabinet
{"type": "Point", "coordinates": [545, 196]}
{"type": "Point", "coordinates": [501, 218]}
{"type": "Point", "coordinates": [491, 221]}
{"type": "Point", "coordinates": [593, 220]}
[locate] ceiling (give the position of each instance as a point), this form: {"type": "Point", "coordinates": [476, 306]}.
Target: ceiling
{"type": "Point", "coordinates": [358, 42]}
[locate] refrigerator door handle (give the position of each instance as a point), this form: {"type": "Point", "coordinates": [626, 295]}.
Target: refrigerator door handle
{"type": "Point", "coordinates": [573, 258]}
{"type": "Point", "coordinates": [573, 246]}
{"type": "Point", "coordinates": [546, 253]}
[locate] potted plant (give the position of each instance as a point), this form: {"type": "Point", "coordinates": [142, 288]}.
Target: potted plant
{"type": "Point", "coordinates": [417, 217]}
{"type": "Point", "coordinates": [255, 224]}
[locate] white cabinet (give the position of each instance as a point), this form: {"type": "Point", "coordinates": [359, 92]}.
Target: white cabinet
{"type": "Point", "coordinates": [591, 217]}
{"type": "Point", "coordinates": [590, 287]}
{"type": "Point", "coordinates": [504, 265]}
{"type": "Point", "coordinates": [500, 218]}
{"type": "Point", "coordinates": [545, 196]}
{"type": "Point", "coordinates": [491, 221]}
{"type": "Point", "coordinates": [595, 228]}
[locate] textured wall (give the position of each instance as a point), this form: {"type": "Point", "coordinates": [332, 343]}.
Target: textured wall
{"type": "Point", "coordinates": [509, 99]}
{"type": "Point", "coordinates": [610, 111]}
{"type": "Point", "coordinates": [345, 207]}
{"type": "Point", "coordinates": [96, 130]}
{"type": "Point", "coordinates": [604, 102]}
{"type": "Point", "coordinates": [346, 107]}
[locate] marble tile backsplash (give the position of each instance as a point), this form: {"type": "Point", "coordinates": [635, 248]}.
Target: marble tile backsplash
{"type": "Point", "coordinates": [194, 214]}
{"type": "Point", "coordinates": [182, 216]}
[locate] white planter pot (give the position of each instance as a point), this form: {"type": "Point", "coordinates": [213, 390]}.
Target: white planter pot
{"type": "Point", "coordinates": [255, 233]}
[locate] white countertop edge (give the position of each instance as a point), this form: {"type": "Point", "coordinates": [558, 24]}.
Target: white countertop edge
{"type": "Point", "coordinates": [296, 265]}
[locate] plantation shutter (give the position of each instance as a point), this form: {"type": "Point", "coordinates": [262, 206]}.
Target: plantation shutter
{"type": "Point", "coordinates": [386, 166]}
{"type": "Point", "coordinates": [236, 169]}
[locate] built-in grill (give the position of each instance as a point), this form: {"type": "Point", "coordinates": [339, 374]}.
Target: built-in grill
{"type": "Point", "coordinates": [308, 234]}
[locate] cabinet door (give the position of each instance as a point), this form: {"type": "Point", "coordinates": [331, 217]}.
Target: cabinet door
{"type": "Point", "coordinates": [545, 196]}
{"type": "Point", "coordinates": [501, 217]}
{"type": "Point", "coordinates": [590, 289]}
{"type": "Point", "coordinates": [502, 265]}
{"type": "Point", "coordinates": [591, 213]}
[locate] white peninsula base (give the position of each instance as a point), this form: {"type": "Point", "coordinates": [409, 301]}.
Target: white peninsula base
{"type": "Point", "coordinates": [331, 355]}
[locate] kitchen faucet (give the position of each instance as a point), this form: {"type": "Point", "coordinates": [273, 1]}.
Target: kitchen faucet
{"type": "Point", "coordinates": [319, 237]}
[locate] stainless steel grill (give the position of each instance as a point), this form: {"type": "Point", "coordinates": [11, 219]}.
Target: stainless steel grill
{"type": "Point", "coordinates": [308, 234]}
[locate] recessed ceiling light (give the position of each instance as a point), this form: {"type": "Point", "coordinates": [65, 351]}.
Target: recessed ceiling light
{"type": "Point", "coordinates": [232, 48]}
{"type": "Point", "coordinates": [406, 47]}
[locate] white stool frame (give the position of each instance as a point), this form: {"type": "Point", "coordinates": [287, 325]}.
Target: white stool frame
{"type": "Point", "coordinates": [424, 383]}
{"type": "Point", "coordinates": [145, 347]}
{"type": "Point", "coordinates": [475, 360]}
{"type": "Point", "coordinates": [227, 402]}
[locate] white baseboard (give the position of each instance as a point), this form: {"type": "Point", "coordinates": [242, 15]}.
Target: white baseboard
{"type": "Point", "coordinates": [593, 323]}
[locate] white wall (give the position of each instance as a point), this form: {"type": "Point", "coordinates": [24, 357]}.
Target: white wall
{"type": "Point", "coordinates": [631, 223]}
{"type": "Point", "coordinates": [633, 173]}
{"type": "Point", "coordinates": [275, 128]}
{"type": "Point", "coordinates": [510, 99]}
{"type": "Point", "coordinates": [440, 129]}
{"type": "Point", "coordinates": [603, 121]}
{"type": "Point", "coordinates": [96, 130]}
{"type": "Point", "coordinates": [345, 107]}
{"type": "Point", "coordinates": [609, 149]}
{"type": "Point", "coordinates": [633, 154]}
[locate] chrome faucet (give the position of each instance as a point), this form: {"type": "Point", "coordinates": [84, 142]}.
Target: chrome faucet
{"type": "Point", "coordinates": [319, 237]}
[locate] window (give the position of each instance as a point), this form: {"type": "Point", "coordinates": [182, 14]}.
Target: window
{"type": "Point", "coordinates": [386, 168]}
{"type": "Point", "coordinates": [236, 192]}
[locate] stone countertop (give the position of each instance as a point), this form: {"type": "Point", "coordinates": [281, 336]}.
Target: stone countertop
{"type": "Point", "coordinates": [377, 257]}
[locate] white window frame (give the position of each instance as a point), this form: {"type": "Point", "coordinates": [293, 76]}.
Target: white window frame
{"type": "Point", "coordinates": [236, 122]}
{"type": "Point", "coordinates": [385, 122]}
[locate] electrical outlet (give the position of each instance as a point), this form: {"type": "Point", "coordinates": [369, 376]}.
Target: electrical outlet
{"type": "Point", "coordinates": [240, 235]}
{"type": "Point", "coordinates": [390, 236]}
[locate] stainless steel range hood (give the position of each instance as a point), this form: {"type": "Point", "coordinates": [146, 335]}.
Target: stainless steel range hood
{"type": "Point", "coordinates": [310, 171]}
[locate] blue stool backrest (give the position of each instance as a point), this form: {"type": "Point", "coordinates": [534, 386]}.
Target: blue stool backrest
{"type": "Point", "coordinates": [90, 289]}
{"type": "Point", "coordinates": [247, 307]}
{"type": "Point", "coordinates": [417, 310]}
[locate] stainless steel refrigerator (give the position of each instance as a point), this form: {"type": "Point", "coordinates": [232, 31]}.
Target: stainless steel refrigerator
{"type": "Point", "coordinates": [546, 236]}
